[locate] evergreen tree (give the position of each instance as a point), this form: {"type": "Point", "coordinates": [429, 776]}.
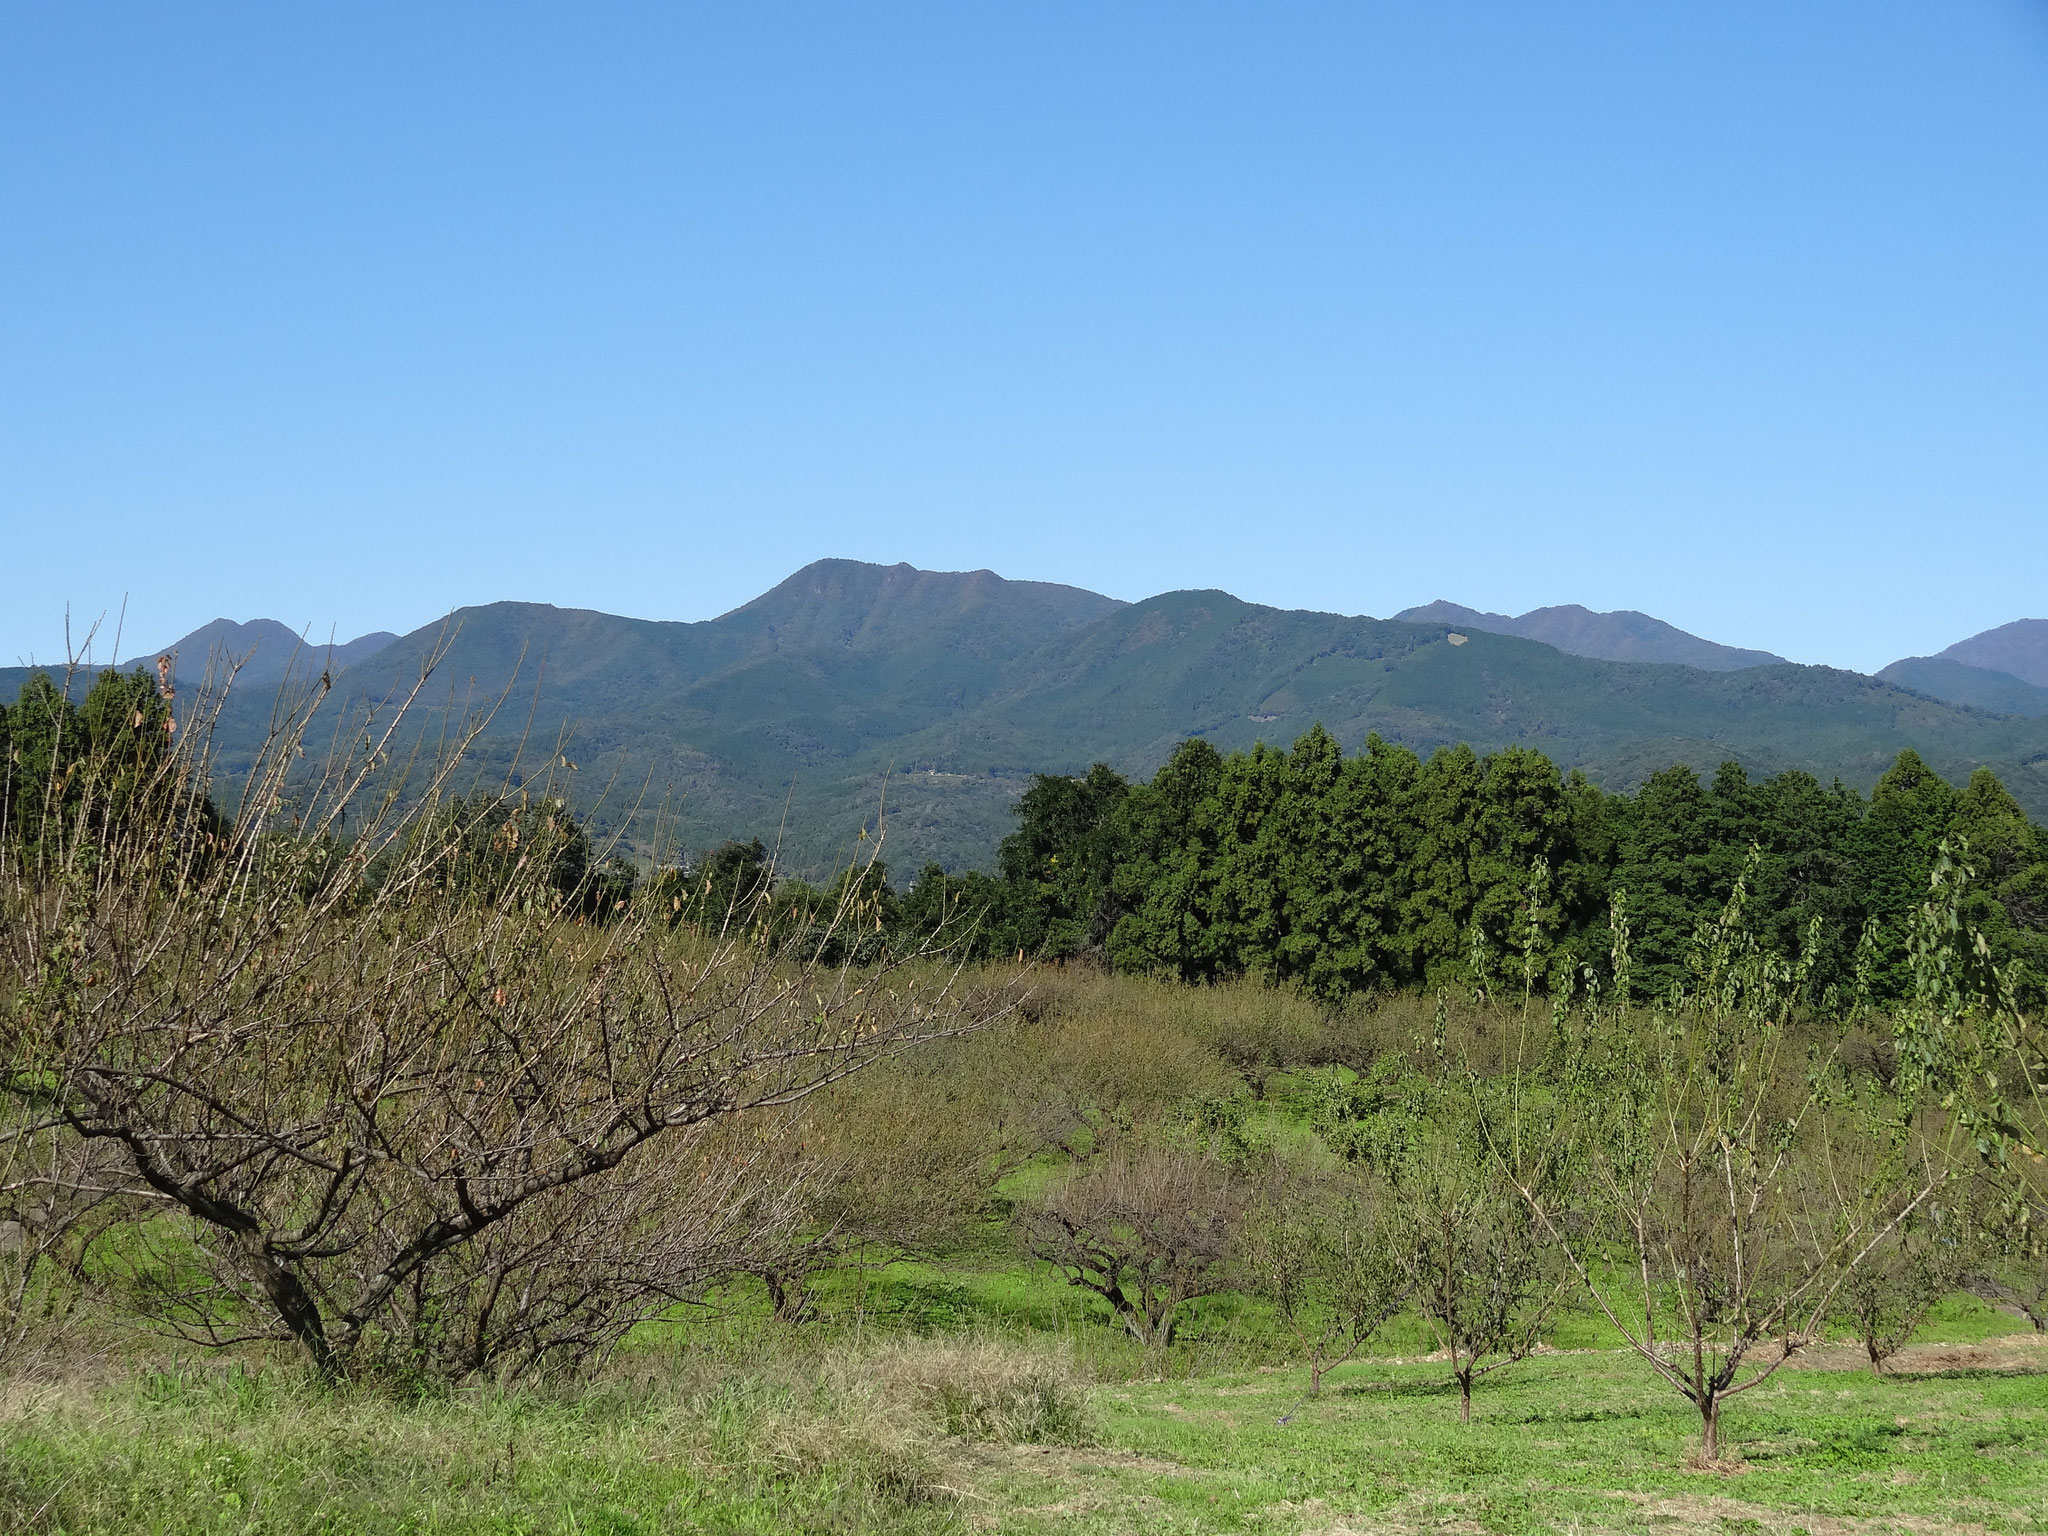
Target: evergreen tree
{"type": "Point", "coordinates": [1910, 809]}
{"type": "Point", "coordinates": [1062, 861]}
{"type": "Point", "coordinates": [1251, 877]}
{"type": "Point", "coordinates": [1441, 890]}
{"type": "Point", "coordinates": [1669, 869]}
{"type": "Point", "coordinates": [1166, 884]}
{"type": "Point", "coordinates": [1336, 874]}
{"type": "Point", "coordinates": [106, 759]}
{"type": "Point", "coordinates": [2007, 899]}
{"type": "Point", "coordinates": [1808, 872]}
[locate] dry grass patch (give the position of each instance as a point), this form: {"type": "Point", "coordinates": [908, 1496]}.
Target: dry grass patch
{"type": "Point", "coordinates": [988, 1389]}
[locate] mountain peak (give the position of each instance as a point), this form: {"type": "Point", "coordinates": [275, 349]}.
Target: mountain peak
{"type": "Point", "coordinates": [1622, 635]}
{"type": "Point", "coordinates": [2019, 649]}
{"type": "Point", "coordinates": [266, 650]}
{"type": "Point", "coordinates": [855, 603]}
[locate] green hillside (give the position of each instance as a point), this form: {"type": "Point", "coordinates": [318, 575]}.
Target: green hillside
{"type": "Point", "coordinates": [789, 716]}
{"type": "Point", "coordinates": [1204, 663]}
{"type": "Point", "coordinates": [1939, 677]}
{"type": "Point", "coordinates": [1624, 635]}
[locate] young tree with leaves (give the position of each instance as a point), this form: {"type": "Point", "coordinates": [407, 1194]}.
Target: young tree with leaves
{"type": "Point", "coordinates": [1723, 1241]}
{"type": "Point", "coordinates": [1318, 1247]}
{"type": "Point", "coordinates": [1476, 1260]}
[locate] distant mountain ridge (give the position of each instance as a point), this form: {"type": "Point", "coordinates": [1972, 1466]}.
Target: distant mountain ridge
{"type": "Point", "coordinates": [266, 650]}
{"type": "Point", "coordinates": [1941, 677]}
{"type": "Point", "coordinates": [2019, 649]}
{"type": "Point", "coordinates": [866, 606]}
{"type": "Point", "coordinates": [853, 692]}
{"type": "Point", "coordinates": [2003, 670]}
{"type": "Point", "coordinates": [1623, 635]}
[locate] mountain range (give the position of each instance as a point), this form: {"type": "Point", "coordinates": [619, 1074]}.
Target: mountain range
{"type": "Point", "coordinates": [797, 715]}
{"type": "Point", "coordinates": [1621, 636]}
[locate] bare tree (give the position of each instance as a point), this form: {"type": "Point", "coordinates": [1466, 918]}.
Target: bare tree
{"type": "Point", "coordinates": [1147, 1227]}
{"type": "Point", "coordinates": [59, 1196]}
{"type": "Point", "coordinates": [1920, 1261]}
{"type": "Point", "coordinates": [2013, 1264]}
{"type": "Point", "coordinates": [401, 1123]}
{"type": "Point", "coordinates": [898, 1161]}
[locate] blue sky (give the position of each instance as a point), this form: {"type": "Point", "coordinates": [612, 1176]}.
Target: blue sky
{"type": "Point", "coordinates": [1735, 313]}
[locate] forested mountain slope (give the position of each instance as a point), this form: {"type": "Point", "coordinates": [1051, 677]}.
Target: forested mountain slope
{"type": "Point", "coordinates": [785, 717]}
{"type": "Point", "coordinates": [1623, 635]}
{"type": "Point", "coordinates": [1203, 663]}
{"type": "Point", "coordinates": [1941, 677]}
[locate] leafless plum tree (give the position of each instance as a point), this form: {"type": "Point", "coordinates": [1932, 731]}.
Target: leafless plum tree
{"type": "Point", "coordinates": [1148, 1227]}
{"type": "Point", "coordinates": [59, 1196]}
{"type": "Point", "coordinates": [899, 1161]}
{"type": "Point", "coordinates": [397, 1125]}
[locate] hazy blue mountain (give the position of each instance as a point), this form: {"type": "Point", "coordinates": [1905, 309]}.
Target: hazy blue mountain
{"type": "Point", "coordinates": [1979, 687]}
{"type": "Point", "coordinates": [2019, 648]}
{"type": "Point", "coordinates": [1624, 635]}
{"type": "Point", "coordinates": [793, 716]}
{"type": "Point", "coordinates": [266, 649]}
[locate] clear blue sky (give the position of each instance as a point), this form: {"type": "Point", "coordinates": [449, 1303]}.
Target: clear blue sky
{"type": "Point", "coordinates": [1733, 312]}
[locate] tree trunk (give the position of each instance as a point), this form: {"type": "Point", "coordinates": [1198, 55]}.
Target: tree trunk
{"type": "Point", "coordinates": [786, 1294]}
{"type": "Point", "coordinates": [1465, 1397]}
{"type": "Point", "coordinates": [1710, 1427]}
{"type": "Point", "coordinates": [297, 1310]}
{"type": "Point", "coordinates": [1315, 1378]}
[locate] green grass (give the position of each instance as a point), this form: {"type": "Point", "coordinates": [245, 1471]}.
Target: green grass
{"type": "Point", "coordinates": [1570, 1442]}
{"type": "Point", "coordinates": [879, 1420]}
{"type": "Point", "coordinates": [219, 1453]}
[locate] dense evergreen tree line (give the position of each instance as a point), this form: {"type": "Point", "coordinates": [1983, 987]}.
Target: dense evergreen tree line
{"type": "Point", "coordinates": [1387, 870]}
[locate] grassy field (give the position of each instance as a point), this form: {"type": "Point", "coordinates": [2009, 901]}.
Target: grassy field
{"type": "Point", "coordinates": [990, 1399]}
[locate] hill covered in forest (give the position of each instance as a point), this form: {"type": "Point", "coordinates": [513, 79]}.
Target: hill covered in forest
{"type": "Point", "coordinates": [2004, 670]}
{"type": "Point", "coordinates": [1942, 677]}
{"type": "Point", "coordinates": [261, 652]}
{"type": "Point", "coordinates": [1623, 635]}
{"type": "Point", "coordinates": [794, 715]}
{"type": "Point", "coordinates": [2019, 649]}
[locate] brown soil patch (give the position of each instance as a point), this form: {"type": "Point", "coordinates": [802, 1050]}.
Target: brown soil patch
{"type": "Point", "coordinates": [1686, 1515]}
{"type": "Point", "coordinates": [2020, 1354]}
